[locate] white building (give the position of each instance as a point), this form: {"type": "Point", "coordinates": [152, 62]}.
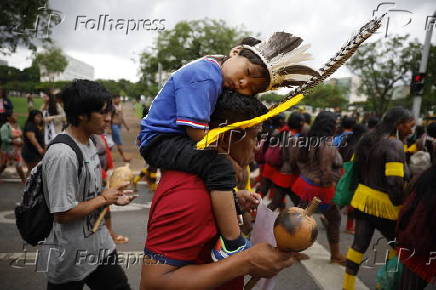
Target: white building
{"type": "Point", "coordinates": [351, 85]}
{"type": "Point", "coordinates": [75, 69]}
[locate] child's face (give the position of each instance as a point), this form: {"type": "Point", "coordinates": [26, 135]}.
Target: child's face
{"type": "Point", "coordinates": [242, 76]}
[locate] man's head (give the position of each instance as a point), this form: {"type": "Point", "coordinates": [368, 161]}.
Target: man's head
{"type": "Point", "coordinates": [348, 123]}
{"type": "Point", "coordinates": [116, 99]}
{"type": "Point", "coordinates": [296, 121]}
{"type": "Point", "coordinates": [233, 107]}
{"type": "Point", "coordinates": [87, 105]}
{"type": "Point", "coordinates": [372, 122]}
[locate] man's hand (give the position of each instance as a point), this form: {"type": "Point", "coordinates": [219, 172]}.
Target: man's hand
{"type": "Point", "coordinates": [111, 195]}
{"type": "Point", "coordinates": [267, 261]}
{"type": "Point", "coordinates": [125, 198]}
{"type": "Point", "coordinates": [248, 200]}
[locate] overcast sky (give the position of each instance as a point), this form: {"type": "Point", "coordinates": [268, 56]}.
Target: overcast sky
{"type": "Point", "coordinates": [326, 25]}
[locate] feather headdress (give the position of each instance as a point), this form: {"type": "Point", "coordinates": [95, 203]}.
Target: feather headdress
{"type": "Point", "coordinates": [296, 96]}
{"type": "Point", "coordinates": [282, 55]}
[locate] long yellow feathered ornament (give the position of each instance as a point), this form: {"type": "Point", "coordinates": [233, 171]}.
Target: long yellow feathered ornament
{"type": "Point", "coordinates": [296, 96]}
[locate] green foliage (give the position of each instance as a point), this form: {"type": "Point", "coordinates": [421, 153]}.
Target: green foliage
{"type": "Point", "coordinates": [17, 22]}
{"type": "Point", "coordinates": [383, 64]}
{"type": "Point", "coordinates": [189, 40]}
{"type": "Point", "coordinates": [122, 87]}
{"type": "Point", "coordinates": [52, 60]}
{"type": "Point", "coordinates": [326, 96]}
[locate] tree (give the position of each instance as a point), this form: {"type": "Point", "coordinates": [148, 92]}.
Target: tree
{"type": "Point", "coordinates": [325, 96]}
{"type": "Point", "coordinates": [382, 65]}
{"type": "Point", "coordinates": [189, 40]}
{"type": "Point", "coordinates": [30, 73]}
{"type": "Point", "coordinates": [22, 22]}
{"type": "Point", "coordinates": [51, 62]}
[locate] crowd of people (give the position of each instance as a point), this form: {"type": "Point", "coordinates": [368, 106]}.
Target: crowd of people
{"type": "Point", "coordinates": [393, 165]}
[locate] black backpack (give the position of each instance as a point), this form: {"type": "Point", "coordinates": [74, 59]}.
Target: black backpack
{"type": "Point", "coordinates": [33, 218]}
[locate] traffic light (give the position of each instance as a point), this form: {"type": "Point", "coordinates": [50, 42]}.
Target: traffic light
{"type": "Point", "coordinates": [417, 83]}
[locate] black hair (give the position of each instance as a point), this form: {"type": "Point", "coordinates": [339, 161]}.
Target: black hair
{"type": "Point", "coordinates": [323, 126]}
{"type": "Point", "coordinates": [419, 131]}
{"type": "Point", "coordinates": [3, 93]}
{"type": "Point", "coordinates": [372, 122]}
{"type": "Point", "coordinates": [7, 114]}
{"type": "Point", "coordinates": [348, 122]}
{"type": "Point", "coordinates": [431, 129]}
{"type": "Point", "coordinates": [116, 96]}
{"type": "Point", "coordinates": [251, 41]}
{"type": "Point", "coordinates": [387, 127]}
{"type": "Point", "coordinates": [349, 142]}
{"type": "Point", "coordinates": [296, 120]}
{"type": "Point", "coordinates": [83, 97]}
{"type": "Point", "coordinates": [307, 117]}
{"type": "Point", "coordinates": [31, 117]}
{"type": "Point", "coordinates": [233, 107]}
{"type": "Point", "coordinates": [52, 105]}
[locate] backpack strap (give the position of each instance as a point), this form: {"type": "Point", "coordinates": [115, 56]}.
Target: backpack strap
{"type": "Point", "coordinates": [68, 140]}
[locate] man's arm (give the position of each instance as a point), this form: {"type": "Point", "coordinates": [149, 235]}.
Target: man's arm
{"type": "Point", "coordinates": [262, 260]}
{"type": "Point", "coordinates": [121, 115]}
{"type": "Point", "coordinates": [109, 196]}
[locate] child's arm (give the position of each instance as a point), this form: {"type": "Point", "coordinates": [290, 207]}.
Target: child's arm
{"type": "Point", "coordinates": [195, 133]}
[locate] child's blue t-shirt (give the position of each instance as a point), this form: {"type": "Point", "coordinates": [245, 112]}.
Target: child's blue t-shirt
{"type": "Point", "coordinates": [188, 98]}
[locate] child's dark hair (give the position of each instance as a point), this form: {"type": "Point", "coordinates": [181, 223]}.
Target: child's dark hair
{"type": "Point", "coordinates": [251, 41]}
{"type": "Point", "coordinates": [233, 107]}
{"type": "Point", "coordinates": [83, 97]}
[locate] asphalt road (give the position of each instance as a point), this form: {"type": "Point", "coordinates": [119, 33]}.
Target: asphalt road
{"type": "Point", "coordinates": [132, 222]}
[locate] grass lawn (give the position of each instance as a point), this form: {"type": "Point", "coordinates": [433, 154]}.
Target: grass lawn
{"type": "Point", "coordinates": [20, 107]}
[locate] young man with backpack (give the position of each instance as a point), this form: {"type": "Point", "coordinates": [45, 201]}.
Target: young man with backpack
{"type": "Point", "coordinates": [74, 253]}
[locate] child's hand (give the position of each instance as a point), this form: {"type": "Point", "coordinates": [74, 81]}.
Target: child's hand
{"type": "Point", "coordinates": [248, 200]}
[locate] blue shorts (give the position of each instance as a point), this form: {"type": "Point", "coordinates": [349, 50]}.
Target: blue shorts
{"type": "Point", "coordinates": [116, 134]}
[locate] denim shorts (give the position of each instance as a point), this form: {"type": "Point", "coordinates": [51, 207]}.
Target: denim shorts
{"type": "Point", "coordinates": [116, 134]}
